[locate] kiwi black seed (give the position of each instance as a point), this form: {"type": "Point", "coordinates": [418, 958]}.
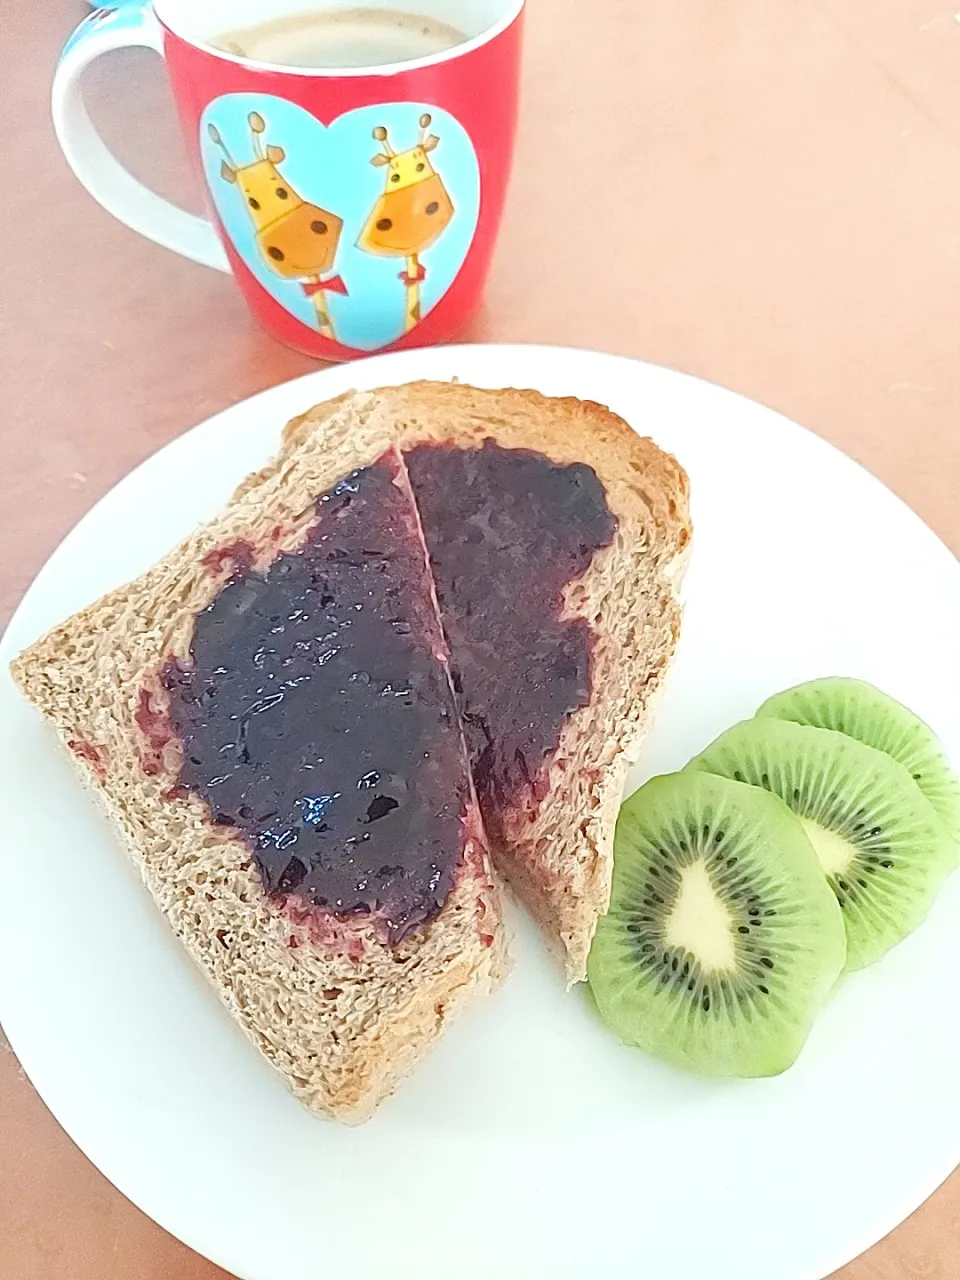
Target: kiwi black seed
{"type": "Point", "coordinates": [722, 938]}
{"type": "Point", "coordinates": [880, 842]}
{"type": "Point", "coordinates": [861, 711]}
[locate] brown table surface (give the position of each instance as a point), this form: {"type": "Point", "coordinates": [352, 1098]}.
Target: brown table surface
{"type": "Point", "coordinates": [774, 193]}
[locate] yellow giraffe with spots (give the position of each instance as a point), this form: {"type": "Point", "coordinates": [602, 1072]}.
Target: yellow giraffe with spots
{"type": "Point", "coordinates": [412, 212]}
{"type": "Point", "coordinates": [297, 240]}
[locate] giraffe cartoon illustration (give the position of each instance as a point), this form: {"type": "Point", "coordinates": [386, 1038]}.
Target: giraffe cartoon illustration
{"type": "Point", "coordinates": [297, 240]}
{"type": "Point", "coordinates": [413, 211]}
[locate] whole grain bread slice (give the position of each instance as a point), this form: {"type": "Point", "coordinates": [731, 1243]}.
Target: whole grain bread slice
{"type": "Point", "coordinates": [559, 857]}
{"type": "Point", "coordinates": [342, 1015]}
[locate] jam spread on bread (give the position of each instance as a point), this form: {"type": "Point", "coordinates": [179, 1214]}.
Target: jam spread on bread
{"type": "Point", "coordinates": [507, 530]}
{"type": "Point", "coordinates": [316, 714]}
{"type": "Point", "coordinates": [235, 555]}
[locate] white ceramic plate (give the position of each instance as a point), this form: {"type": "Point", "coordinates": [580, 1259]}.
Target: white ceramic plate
{"type": "Point", "coordinates": [529, 1144]}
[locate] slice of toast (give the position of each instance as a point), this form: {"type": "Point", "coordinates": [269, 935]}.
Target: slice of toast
{"type": "Point", "coordinates": [557, 848]}
{"type": "Point", "coordinates": [342, 1005]}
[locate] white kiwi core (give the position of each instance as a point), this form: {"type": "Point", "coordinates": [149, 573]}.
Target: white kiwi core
{"type": "Point", "coordinates": [699, 921]}
{"type": "Point", "coordinates": [834, 853]}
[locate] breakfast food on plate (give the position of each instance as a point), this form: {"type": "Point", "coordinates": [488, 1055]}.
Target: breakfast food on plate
{"type": "Point", "coordinates": [879, 840]}
{"type": "Point", "coordinates": [722, 939]}
{"type": "Point", "coordinates": [434, 596]}
{"type": "Point", "coordinates": [556, 538]}
{"type": "Point", "coordinates": [214, 705]}
{"type": "Point", "coordinates": [861, 711]}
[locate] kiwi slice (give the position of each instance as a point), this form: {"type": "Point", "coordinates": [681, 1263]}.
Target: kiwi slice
{"type": "Point", "coordinates": [722, 938]}
{"type": "Point", "coordinates": [861, 711]}
{"type": "Point", "coordinates": [880, 842]}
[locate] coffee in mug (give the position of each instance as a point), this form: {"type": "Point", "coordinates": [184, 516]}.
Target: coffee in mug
{"type": "Point", "coordinates": [342, 38]}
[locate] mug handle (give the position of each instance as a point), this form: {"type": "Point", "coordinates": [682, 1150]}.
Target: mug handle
{"type": "Point", "coordinates": [129, 25]}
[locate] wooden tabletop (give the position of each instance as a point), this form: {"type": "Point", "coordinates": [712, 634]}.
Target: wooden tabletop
{"type": "Point", "coordinates": [773, 190]}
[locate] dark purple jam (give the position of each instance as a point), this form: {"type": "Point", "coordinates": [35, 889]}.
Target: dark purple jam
{"type": "Point", "coordinates": [316, 716]}
{"type": "Point", "coordinates": [507, 530]}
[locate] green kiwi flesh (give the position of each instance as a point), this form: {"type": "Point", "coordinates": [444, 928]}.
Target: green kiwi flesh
{"type": "Point", "coordinates": [880, 842]}
{"type": "Point", "coordinates": [722, 939]}
{"type": "Point", "coordinates": [861, 711]}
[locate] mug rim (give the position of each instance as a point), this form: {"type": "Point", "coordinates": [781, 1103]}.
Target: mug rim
{"type": "Point", "coordinates": [385, 69]}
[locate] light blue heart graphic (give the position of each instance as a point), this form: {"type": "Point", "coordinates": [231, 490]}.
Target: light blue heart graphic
{"type": "Point", "coordinates": [331, 166]}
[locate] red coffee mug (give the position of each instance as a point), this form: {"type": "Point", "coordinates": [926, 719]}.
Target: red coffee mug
{"type": "Point", "coordinates": [357, 207]}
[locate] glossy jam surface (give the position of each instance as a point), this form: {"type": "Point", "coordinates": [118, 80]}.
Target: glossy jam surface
{"type": "Point", "coordinates": [506, 531]}
{"type": "Point", "coordinates": [316, 716]}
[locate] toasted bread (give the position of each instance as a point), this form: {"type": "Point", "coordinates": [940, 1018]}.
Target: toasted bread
{"type": "Point", "coordinates": [342, 1013]}
{"type": "Point", "coordinates": [343, 1016]}
{"type": "Point", "coordinates": [559, 859]}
